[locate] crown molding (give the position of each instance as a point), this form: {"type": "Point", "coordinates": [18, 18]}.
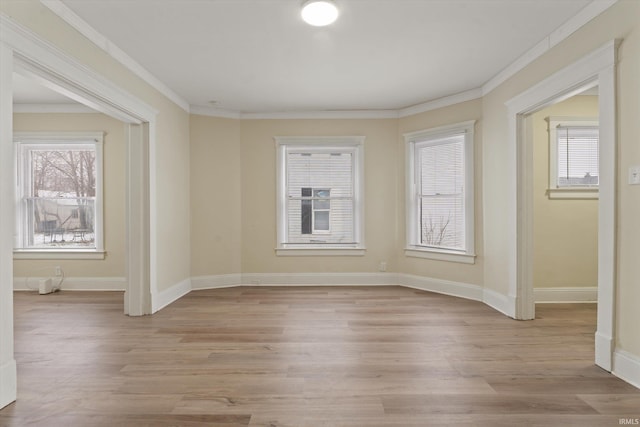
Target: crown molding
{"type": "Point", "coordinates": [589, 12]}
{"type": "Point", "coordinates": [446, 101]}
{"type": "Point", "coordinates": [53, 108]}
{"type": "Point", "coordinates": [329, 114]}
{"type": "Point", "coordinates": [214, 112]}
{"type": "Point", "coordinates": [71, 18]}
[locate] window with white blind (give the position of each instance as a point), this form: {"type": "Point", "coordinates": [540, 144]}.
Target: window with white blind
{"type": "Point", "coordinates": [440, 216]}
{"type": "Point", "coordinates": [573, 156]}
{"type": "Point", "coordinates": [319, 195]}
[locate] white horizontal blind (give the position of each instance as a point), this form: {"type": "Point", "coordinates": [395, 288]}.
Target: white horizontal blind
{"type": "Point", "coordinates": [577, 156]}
{"type": "Point", "coordinates": [441, 198]}
{"type": "Point", "coordinates": [320, 187]}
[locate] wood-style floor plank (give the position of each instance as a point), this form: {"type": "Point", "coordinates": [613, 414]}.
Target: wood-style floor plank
{"type": "Point", "coordinates": [308, 356]}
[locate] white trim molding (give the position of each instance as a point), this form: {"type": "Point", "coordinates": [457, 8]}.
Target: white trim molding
{"type": "Point", "coordinates": [441, 286]}
{"type": "Point", "coordinates": [319, 279]}
{"type": "Point", "coordinates": [9, 383]}
{"type": "Point", "coordinates": [216, 281]}
{"type": "Point", "coordinates": [498, 301]}
{"type": "Point", "coordinates": [168, 296]}
{"type": "Point", "coordinates": [566, 294]}
{"type": "Point", "coordinates": [53, 108]}
{"type": "Point", "coordinates": [8, 375]}
{"type": "Point", "coordinates": [627, 367]}
{"type": "Point", "coordinates": [73, 283]}
{"type": "Point", "coordinates": [446, 101]}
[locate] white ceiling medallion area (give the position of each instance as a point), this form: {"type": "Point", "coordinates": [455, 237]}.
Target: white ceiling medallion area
{"type": "Point", "coordinates": [358, 69]}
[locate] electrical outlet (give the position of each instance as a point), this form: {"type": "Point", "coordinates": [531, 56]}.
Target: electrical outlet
{"type": "Point", "coordinates": [383, 266]}
{"type": "Point", "coordinates": [46, 286]}
{"type": "Point", "coordinates": [58, 271]}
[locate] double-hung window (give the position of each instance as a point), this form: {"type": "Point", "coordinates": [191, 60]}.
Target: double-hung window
{"type": "Point", "coordinates": [320, 195]}
{"type": "Point", "coordinates": [573, 158]}
{"type": "Point", "coordinates": [440, 200]}
{"type": "Point", "coordinates": [59, 195]}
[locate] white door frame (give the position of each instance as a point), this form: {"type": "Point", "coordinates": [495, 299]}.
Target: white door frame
{"type": "Point", "coordinates": [597, 68]}
{"type": "Point", "coordinates": [24, 52]}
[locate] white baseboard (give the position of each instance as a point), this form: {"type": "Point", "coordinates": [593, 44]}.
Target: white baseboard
{"type": "Point", "coordinates": [604, 351]}
{"type": "Point", "coordinates": [315, 279]}
{"type": "Point", "coordinates": [8, 383]}
{"type": "Point", "coordinates": [163, 298]}
{"type": "Point", "coordinates": [627, 367]}
{"type": "Point", "coordinates": [215, 282]}
{"type": "Point", "coordinates": [566, 294]}
{"type": "Point", "coordinates": [74, 283]}
{"type": "Point", "coordinates": [446, 287]}
{"type": "Point", "coordinates": [499, 302]}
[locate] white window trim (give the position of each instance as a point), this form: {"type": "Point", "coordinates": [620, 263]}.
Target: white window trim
{"type": "Point", "coordinates": [413, 249]}
{"type": "Point", "coordinates": [356, 145]}
{"type": "Point", "coordinates": [26, 139]}
{"type": "Point", "coordinates": [554, 192]}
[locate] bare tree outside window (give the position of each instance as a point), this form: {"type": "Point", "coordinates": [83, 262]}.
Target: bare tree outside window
{"type": "Point", "coordinates": [63, 195]}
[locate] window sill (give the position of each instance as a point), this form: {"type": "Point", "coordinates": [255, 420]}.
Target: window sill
{"type": "Point", "coordinates": [327, 251]}
{"type": "Point", "coordinates": [573, 193]}
{"type": "Point", "coordinates": [58, 254]}
{"type": "Point", "coordinates": [440, 255]}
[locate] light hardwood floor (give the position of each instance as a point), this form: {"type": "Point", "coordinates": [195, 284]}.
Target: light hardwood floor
{"type": "Point", "coordinates": [308, 356]}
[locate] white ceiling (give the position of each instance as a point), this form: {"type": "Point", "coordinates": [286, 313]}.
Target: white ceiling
{"type": "Point", "coordinates": [259, 56]}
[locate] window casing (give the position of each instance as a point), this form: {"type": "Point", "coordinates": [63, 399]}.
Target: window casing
{"type": "Point", "coordinates": [320, 195]}
{"type": "Point", "coordinates": [573, 158]}
{"type": "Point", "coordinates": [59, 195]}
{"type": "Point", "coordinates": [440, 193]}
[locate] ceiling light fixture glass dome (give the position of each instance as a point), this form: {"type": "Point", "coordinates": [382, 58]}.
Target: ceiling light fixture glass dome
{"type": "Point", "coordinates": [319, 12]}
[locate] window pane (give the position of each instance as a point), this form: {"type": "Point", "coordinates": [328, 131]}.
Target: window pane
{"type": "Point", "coordinates": [59, 205]}
{"type": "Point", "coordinates": [577, 156]}
{"type": "Point", "coordinates": [341, 225]}
{"type": "Point", "coordinates": [442, 222]}
{"type": "Point", "coordinates": [441, 198]}
{"type": "Point", "coordinates": [322, 220]}
{"type": "Point", "coordinates": [327, 180]}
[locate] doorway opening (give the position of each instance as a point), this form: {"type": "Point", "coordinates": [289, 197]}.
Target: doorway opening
{"type": "Point", "coordinates": [596, 69]}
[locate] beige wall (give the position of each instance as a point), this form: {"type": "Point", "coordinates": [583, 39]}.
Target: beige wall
{"type": "Point", "coordinates": [259, 195]}
{"type": "Point", "coordinates": [114, 186]}
{"type": "Point", "coordinates": [216, 229]}
{"type": "Point", "coordinates": [619, 21]}
{"type": "Point", "coordinates": [565, 242]}
{"type": "Point", "coordinates": [170, 154]}
{"type": "Point", "coordinates": [464, 273]}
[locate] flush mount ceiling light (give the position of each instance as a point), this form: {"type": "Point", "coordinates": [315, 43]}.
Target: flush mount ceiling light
{"type": "Point", "coordinates": [319, 12]}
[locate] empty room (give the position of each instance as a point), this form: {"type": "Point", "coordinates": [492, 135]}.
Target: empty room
{"type": "Point", "coordinates": [319, 213]}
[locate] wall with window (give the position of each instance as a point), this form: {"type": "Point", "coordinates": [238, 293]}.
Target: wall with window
{"type": "Point", "coordinates": [113, 188]}
{"type": "Point", "coordinates": [565, 230]}
{"type": "Point", "coordinates": [259, 231]}
{"type": "Point", "coordinates": [437, 269]}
